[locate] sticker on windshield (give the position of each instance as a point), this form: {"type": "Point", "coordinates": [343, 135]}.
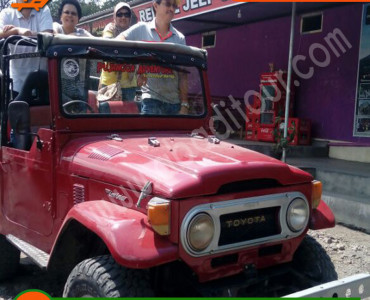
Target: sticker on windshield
{"type": "Point", "coordinates": [71, 68]}
{"type": "Point", "coordinates": [150, 71]}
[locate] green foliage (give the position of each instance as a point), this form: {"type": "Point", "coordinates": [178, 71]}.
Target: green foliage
{"type": "Point", "coordinates": [110, 4]}
{"type": "Point", "coordinates": [281, 142]}
{"type": "Point", "coordinates": [87, 8]}
{"type": "Point", "coordinates": [4, 4]}
{"type": "Point", "coordinates": [54, 7]}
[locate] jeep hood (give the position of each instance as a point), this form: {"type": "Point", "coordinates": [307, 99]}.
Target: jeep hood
{"type": "Point", "coordinates": [180, 166]}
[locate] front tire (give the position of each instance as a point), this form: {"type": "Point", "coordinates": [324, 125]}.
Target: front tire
{"type": "Point", "coordinates": [102, 277]}
{"type": "Point", "coordinates": [312, 264]}
{"type": "Point", "coordinates": [9, 259]}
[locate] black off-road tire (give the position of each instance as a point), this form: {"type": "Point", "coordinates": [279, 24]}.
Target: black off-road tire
{"type": "Point", "coordinates": [313, 264]}
{"type": "Point", "coordinates": [9, 259]}
{"type": "Point", "coordinates": [102, 277]}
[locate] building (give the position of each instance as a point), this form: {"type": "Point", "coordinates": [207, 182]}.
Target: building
{"type": "Point", "coordinates": [331, 59]}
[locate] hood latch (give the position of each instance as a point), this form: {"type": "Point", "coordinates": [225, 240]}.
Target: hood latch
{"type": "Point", "coordinates": [152, 141]}
{"type": "Point", "coordinates": [213, 140]}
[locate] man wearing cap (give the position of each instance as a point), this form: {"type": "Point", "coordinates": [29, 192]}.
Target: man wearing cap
{"type": "Point", "coordinates": [161, 30]}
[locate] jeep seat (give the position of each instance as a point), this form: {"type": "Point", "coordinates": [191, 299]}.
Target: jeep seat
{"type": "Point", "coordinates": [19, 119]}
{"type": "Point", "coordinates": [118, 107]}
{"type": "Point", "coordinates": [35, 92]}
{"type": "Point", "coordinates": [30, 110]}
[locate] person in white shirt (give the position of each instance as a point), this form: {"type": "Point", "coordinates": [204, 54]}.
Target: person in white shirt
{"type": "Point", "coordinates": [69, 13]}
{"type": "Point", "coordinates": [26, 22]}
{"type": "Point", "coordinates": [160, 29]}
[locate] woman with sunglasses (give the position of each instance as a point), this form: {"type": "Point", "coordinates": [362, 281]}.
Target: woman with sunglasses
{"type": "Point", "coordinates": [69, 14]}
{"type": "Point", "coordinates": [121, 22]}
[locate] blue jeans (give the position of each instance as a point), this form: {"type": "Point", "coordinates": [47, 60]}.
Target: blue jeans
{"type": "Point", "coordinates": [156, 107]}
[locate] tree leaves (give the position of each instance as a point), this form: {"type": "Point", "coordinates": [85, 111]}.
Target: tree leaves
{"type": "Point", "coordinates": [4, 4]}
{"type": "Point", "coordinates": [87, 7]}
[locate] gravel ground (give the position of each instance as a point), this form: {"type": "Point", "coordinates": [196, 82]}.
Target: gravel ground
{"type": "Point", "coordinates": [349, 249]}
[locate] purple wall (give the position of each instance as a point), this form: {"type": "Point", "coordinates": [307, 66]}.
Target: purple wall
{"type": "Point", "coordinates": [327, 98]}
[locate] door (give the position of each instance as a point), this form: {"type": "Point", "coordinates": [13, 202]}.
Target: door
{"type": "Point", "coordinates": [27, 183]}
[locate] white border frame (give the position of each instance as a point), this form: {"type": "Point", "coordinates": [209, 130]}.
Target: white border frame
{"type": "Point", "coordinates": [355, 115]}
{"type": "Point", "coordinates": [312, 15]}
{"type": "Point", "coordinates": [206, 34]}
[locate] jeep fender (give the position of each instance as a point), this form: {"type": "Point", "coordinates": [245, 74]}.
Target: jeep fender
{"type": "Point", "coordinates": [126, 233]}
{"type": "Point", "coordinates": [322, 217]}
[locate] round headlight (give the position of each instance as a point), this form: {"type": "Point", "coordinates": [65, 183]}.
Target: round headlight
{"type": "Point", "coordinates": [200, 232]}
{"type": "Point", "coordinates": [297, 214]}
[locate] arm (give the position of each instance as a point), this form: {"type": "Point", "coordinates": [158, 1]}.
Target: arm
{"type": "Point", "coordinates": [16, 31]}
{"type": "Point", "coordinates": [108, 31]}
{"type": "Point", "coordinates": [82, 32]}
{"type": "Point", "coordinates": [46, 25]}
{"type": "Point", "coordinates": [134, 33]}
{"type": "Point", "coordinates": [121, 37]}
{"type": "Point", "coordinates": [6, 26]}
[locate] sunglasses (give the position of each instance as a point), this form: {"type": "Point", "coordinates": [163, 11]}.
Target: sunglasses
{"type": "Point", "coordinates": [72, 13]}
{"type": "Point", "coordinates": [169, 4]}
{"type": "Point", "coordinates": [123, 14]}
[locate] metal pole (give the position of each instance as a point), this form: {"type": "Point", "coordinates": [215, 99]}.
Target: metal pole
{"type": "Point", "coordinates": [283, 158]}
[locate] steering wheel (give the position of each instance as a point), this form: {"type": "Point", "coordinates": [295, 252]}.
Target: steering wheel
{"type": "Point", "coordinates": [73, 106]}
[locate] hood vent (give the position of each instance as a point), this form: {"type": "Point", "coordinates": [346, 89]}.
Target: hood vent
{"type": "Point", "coordinates": [105, 153]}
{"type": "Point", "coordinates": [78, 193]}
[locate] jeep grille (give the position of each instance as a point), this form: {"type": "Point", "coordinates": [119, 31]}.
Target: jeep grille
{"type": "Point", "coordinates": [249, 225]}
{"type": "Point", "coordinates": [244, 222]}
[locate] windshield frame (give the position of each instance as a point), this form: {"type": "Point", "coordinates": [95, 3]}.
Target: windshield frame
{"type": "Point", "coordinates": [55, 47]}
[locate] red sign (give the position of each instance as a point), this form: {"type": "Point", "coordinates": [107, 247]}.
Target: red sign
{"type": "Point", "coordinates": [187, 8]}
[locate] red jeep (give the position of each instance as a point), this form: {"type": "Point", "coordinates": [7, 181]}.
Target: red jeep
{"type": "Point", "coordinates": [131, 203]}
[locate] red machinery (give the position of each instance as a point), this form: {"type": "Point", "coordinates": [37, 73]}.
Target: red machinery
{"type": "Point", "coordinates": [268, 110]}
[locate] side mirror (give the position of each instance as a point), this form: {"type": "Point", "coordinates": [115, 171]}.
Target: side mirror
{"type": "Point", "coordinates": [19, 118]}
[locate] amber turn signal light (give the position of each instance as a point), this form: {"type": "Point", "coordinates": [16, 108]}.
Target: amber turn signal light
{"type": "Point", "coordinates": [159, 212]}
{"type": "Point", "coordinates": [316, 193]}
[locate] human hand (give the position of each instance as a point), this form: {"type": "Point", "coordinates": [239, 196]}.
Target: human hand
{"type": "Point", "coordinates": [141, 80]}
{"type": "Point", "coordinates": [8, 27]}
{"type": "Point", "coordinates": [24, 31]}
{"type": "Point", "coordinates": [184, 110]}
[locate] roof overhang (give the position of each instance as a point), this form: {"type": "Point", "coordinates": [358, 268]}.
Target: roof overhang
{"type": "Point", "coordinates": [227, 13]}
{"type": "Point", "coordinates": [209, 15]}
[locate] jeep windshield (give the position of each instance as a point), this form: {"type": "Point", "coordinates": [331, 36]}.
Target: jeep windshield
{"type": "Point", "coordinates": [119, 86]}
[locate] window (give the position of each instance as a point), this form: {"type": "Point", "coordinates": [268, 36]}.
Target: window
{"type": "Point", "coordinates": [311, 23]}
{"type": "Point", "coordinates": [129, 88]}
{"type": "Point", "coordinates": [209, 40]}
